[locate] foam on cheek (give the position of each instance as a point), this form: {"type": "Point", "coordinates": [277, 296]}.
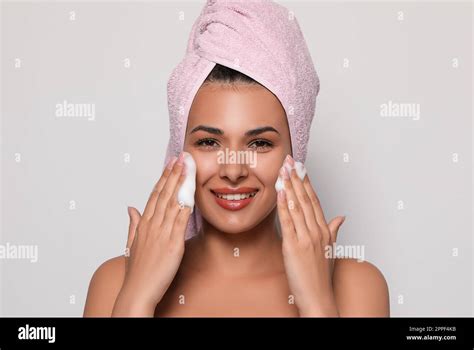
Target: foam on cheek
{"type": "Point", "coordinates": [187, 189]}
{"type": "Point", "coordinates": [300, 171]}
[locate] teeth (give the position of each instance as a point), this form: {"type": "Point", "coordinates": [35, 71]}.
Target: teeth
{"type": "Point", "coordinates": [235, 197]}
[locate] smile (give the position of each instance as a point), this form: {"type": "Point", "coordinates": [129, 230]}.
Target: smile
{"type": "Point", "coordinates": [231, 199]}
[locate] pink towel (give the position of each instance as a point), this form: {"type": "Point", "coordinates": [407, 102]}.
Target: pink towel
{"type": "Point", "coordinates": [261, 39]}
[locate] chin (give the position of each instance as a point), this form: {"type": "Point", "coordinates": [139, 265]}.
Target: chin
{"type": "Point", "coordinates": [231, 229]}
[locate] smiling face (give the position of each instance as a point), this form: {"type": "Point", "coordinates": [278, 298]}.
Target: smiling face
{"type": "Point", "coordinates": [238, 135]}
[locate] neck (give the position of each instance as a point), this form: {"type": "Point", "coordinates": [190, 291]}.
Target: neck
{"type": "Point", "coordinates": [253, 252]}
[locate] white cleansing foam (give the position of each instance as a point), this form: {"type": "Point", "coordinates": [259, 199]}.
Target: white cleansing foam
{"type": "Point", "coordinates": [300, 171]}
{"type": "Point", "coordinates": [187, 189]}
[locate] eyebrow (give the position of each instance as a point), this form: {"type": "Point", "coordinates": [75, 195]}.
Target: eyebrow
{"type": "Point", "coordinates": [217, 131]}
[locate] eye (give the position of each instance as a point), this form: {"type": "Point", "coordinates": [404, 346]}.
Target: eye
{"type": "Point", "coordinates": [261, 144]}
{"type": "Point", "coordinates": [206, 143]}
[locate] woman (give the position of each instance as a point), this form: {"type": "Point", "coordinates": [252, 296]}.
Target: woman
{"type": "Point", "coordinates": [237, 262]}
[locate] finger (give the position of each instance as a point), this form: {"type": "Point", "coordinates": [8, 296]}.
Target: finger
{"type": "Point", "coordinates": [167, 192]}
{"type": "Point", "coordinates": [134, 215]}
{"type": "Point", "coordinates": [172, 209]}
{"type": "Point", "coordinates": [305, 201]}
{"type": "Point", "coordinates": [334, 227]}
{"type": "Point", "coordinates": [322, 230]}
{"type": "Point", "coordinates": [151, 204]}
{"type": "Point", "coordinates": [288, 231]}
{"type": "Point", "coordinates": [179, 227]}
{"type": "Point", "coordinates": [294, 207]}
{"type": "Point", "coordinates": [318, 211]}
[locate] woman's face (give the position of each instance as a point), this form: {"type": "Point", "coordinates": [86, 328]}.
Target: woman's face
{"type": "Point", "coordinates": [238, 135]}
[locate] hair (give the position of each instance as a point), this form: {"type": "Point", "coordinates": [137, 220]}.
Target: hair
{"type": "Point", "coordinates": [225, 75]}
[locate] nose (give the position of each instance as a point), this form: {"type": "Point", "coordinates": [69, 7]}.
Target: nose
{"type": "Point", "coordinates": [233, 172]}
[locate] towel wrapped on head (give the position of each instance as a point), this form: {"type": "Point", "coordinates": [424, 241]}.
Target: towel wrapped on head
{"type": "Point", "coordinates": [260, 39]}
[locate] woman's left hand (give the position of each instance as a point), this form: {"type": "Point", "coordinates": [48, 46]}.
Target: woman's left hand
{"type": "Point", "coordinates": [305, 238]}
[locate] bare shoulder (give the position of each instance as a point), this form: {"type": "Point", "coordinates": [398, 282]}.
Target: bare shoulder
{"type": "Point", "coordinates": [104, 287]}
{"type": "Point", "coordinates": [360, 289]}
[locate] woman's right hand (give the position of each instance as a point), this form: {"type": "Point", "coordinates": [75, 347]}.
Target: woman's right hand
{"type": "Point", "coordinates": [155, 245]}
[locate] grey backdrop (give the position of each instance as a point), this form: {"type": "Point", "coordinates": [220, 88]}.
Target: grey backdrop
{"type": "Point", "coordinates": [405, 183]}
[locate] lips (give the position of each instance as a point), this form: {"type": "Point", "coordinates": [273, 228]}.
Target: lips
{"type": "Point", "coordinates": [234, 199]}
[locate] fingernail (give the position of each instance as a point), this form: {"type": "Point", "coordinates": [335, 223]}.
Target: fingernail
{"type": "Point", "coordinates": [180, 160]}
{"type": "Point", "coordinates": [281, 195]}
{"type": "Point", "coordinates": [284, 173]}
{"type": "Point", "coordinates": [289, 159]}
{"type": "Point", "coordinates": [171, 162]}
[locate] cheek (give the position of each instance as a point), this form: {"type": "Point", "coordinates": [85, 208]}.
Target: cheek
{"type": "Point", "coordinates": [267, 168]}
{"type": "Point", "coordinates": [207, 166]}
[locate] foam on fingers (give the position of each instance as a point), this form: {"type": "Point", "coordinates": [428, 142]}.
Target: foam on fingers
{"type": "Point", "coordinates": [188, 187]}
{"type": "Point", "coordinates": [300, 171]}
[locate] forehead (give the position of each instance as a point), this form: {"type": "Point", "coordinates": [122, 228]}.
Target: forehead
{"type": "Point", "coordinates": [236, 108]}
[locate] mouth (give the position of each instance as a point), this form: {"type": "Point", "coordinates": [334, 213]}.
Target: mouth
{"type": "Point", "coordinates": [234, 199]}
